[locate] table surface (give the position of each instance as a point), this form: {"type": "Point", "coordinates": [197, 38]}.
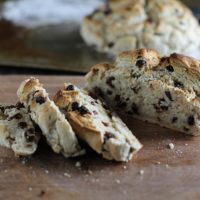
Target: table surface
{"type": "Point", "coordinates": [168, 173]}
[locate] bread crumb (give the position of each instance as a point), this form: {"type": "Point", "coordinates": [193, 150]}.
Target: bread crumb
{"type": "Point", "coordinates": [86, 175]}
{"type": "Point", "coordinates": [90, 172]}
{"type": "Point", "coordinates": [125, 167]}
{"type": "Point", "coordinates": [186, 144]}
{"type": "Point", "coordinates": [167, 166]}
{"type": "Point", "coordinates": [171, 146]}
{"type": "Point", "coordinates": [95, 180]}
{"type": "Point", "coordinates": [179, 152]}
{"type": "Point", "coordinates": [46, 171]}
{"type": "Point", "coordinates": [30, 189]}
{"type": "Point", "coordinates": [141, 172]}
{"type": "Point", "coordinates": [158, 162]}
{"type": "Point", "coordinates": [117, 181]}
{"type": "Point", "coordinates": [6, 171]}
{"type": "Point", "coordinates": [78, 164]}
{"type": "Point", "coordinates": [124, 192]}
{"type": "Point", "coordinates": [23, 162]}
{"type": "Point", "coordinates": [34, 174]}
{"type": "Point", "coordinates": [67, 175]}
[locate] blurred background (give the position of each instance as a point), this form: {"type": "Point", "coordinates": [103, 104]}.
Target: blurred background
{"type": "Point", "coordinates": [42, 37]}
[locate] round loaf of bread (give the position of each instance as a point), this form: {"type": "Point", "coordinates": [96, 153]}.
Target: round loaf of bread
{"type": "Point", "coordinates": [165, 25]}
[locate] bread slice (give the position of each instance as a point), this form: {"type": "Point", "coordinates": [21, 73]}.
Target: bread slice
{"type": "Point", "coordinates": [46, 114]}
{"type": "Point", "coordinates": [17, 131]}
{"type": "Point", "coordinates": [165, 91]}
{"type": "Point", "coordinates": [97, 125]}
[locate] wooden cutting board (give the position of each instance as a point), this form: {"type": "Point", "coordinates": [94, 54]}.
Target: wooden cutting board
{"type": "Point", "coordinates": [167, 173]}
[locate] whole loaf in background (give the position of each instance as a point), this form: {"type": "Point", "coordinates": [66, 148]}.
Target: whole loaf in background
{"type": "Point", "coordinates": [165, 25]}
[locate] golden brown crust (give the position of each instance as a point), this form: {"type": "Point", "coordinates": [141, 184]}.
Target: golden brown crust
{"type": "Point", "coordinates": [153, 59]}
{"type": "Point", "coordinates": [99, 67]}
{"type": "Point", "coordinates": [84, 129]}
{"type": "Point", "coordinates": [150, 55]}
{"type": "Point", "coordinates": [31, 84]}
{"type": "Point", "coordinates": [140, 52]}
{"type": "Point", "coordinates": [81, 123]}
{"type": "Point", "coordinates": [27, 87]}
{"type": "Point", "coordinates": [190, 64]}
{"type": "Point", "coordinates": [104, 66]}
{"type": "Point", "coordinates": [87, 134]}
{"type": "Point", "coordinates": [61, 99]}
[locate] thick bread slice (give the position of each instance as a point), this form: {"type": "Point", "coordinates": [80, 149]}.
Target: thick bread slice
{"type": "Point", "coordinates": [17, 130]}
{"type": "Point", "coordinates": [164, 90]}
{"type": "Point", "coordinates": [47, 115]}
{"type": "Point", "coordinates": [101, 128]}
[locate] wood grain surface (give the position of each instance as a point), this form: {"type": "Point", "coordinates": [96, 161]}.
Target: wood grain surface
{"type": "Point", "coordinates": [167, 173]}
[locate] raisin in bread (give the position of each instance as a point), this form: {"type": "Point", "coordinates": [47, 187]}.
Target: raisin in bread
{"type": "Point", "coordinates": [94, 123]}
{"type": "Point", "coordinates": [17, 131]}
{"type": "Point", "coordinates": [165, 25]}
{"type": "Point", "coordinates": [46, 114]}
{"type": "Point", "coordinates": [159, 90]}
